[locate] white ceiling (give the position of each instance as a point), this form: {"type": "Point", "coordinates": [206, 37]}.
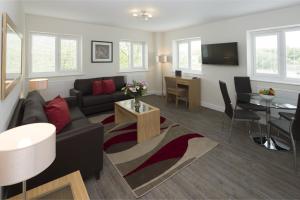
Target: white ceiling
{"type": "Point", "coordinates": [167, 14]}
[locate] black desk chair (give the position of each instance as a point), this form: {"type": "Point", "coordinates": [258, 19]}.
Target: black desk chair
{"type": "Point", "coordinates": [290, 129]}
{"type": "Point", "coordinates": [243, 85]}
{"type": "Point", "coordinates": [240, 115]}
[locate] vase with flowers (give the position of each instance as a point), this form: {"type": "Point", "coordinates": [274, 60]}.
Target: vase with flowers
{"type": "Point", "coordinates": [136, 89]}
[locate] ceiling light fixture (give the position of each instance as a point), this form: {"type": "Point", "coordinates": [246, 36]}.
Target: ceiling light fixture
{"type": "Point", "coordinates": [142, 14]}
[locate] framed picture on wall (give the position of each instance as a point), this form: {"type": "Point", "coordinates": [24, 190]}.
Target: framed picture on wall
{"type": "Point", "coordinates": [102, 52]}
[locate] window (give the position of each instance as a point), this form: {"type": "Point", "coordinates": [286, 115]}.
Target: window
{"type": "Point", "coordinates": [266, 54]}
{"type": "Point", "coordinates": [274, 55]}
{"type": "Point", "coordinates": [55, 55]}
{"type": "Point", "coordinates": [133, 56]}
{"type": "Point", "coordinates": [187, 55]}
{"type": "Point", "coordinates": [292, 54]}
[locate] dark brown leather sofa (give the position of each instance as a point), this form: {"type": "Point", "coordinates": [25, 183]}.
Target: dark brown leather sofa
{"type": "Point", "coordinates": [90, 104]}
{"type": "Point", "coordinates": [78, 146]}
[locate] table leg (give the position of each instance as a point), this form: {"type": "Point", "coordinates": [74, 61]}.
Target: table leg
{"type": "Point", "coordinates": [148, 126]}
{"type": "Point", "coordinates": [268, 141]}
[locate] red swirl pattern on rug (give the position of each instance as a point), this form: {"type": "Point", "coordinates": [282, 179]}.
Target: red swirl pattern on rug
{"type": "Point", "coordinates": [134, 126]}
{"type": "Point", "coordinates": [144, 169]}
{"type": "Point", "coordinates": [174, 149]}
{"type": "Point", "coordinates": [131, 136]}
{"type": "Point", "coordinates": [108, 120]}
{"type": "Point", "coordinates": [124, 137]}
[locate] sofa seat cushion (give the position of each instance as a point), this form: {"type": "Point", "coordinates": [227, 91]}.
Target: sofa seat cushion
{"type": "Point", "coordinates": [79, 123]}
{"type": "Point", "coordinates": [76, 113]}
{"type": "Point", "coordinates": [119, 96]}
{"type": "Point", "coordinates": [96, 100]}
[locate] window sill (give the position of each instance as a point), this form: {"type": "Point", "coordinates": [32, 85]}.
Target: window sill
{"type": "Point", "coordinates": [268, 80]}
{"type": "Point", "coordinates": [190, 72]}
{"type": "Point", "coordinates": [134, 71]}
{"type": "Point", "coordinates": [45, 75]}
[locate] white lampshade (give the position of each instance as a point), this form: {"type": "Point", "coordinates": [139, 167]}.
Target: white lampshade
{"type": "Point", "coordinates": [38, 84]}
{"type": "Point", "coordinates": [26, 151]}
{"type": "Point", "coordinates": [162, 59]}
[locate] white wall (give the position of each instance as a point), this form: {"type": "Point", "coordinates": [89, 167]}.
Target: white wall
{"type": "Point", "coordinates": [15, 11]}
{"type": "Point", "coordinates": [234, 30]}
{"type": "Point", "coordinates": [89, 32]}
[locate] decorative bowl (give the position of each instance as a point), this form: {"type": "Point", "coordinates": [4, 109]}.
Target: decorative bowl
{"type": "Point", "coordinates": [267, 97]}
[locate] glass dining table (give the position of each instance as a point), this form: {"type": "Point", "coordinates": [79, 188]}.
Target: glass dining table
{"type": "Point", "coordinates": [276, 103]}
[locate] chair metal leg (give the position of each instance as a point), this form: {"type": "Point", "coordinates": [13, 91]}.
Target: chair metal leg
{"type": "Point", "coordinates": [268, 135]}
{"type": "Point", "coordinates": [250, 128]}
{"type": "Point", "coordinates": [176, 101]}
{"type": "Point", "coordinates": [294, 153]}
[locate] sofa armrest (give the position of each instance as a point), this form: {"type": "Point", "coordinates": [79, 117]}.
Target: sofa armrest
{"type": "Point", "coordinates": [78, 95]}
{"type": "Point", "coordinates": [81, 148]}
{"type": "Point", "coordinates": [72, 101]}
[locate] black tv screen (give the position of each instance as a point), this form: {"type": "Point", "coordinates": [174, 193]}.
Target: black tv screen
{"type": "Point", "coordinates": [220, 54]}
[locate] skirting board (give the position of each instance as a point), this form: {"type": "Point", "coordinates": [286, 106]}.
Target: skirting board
{"type": "Point", "coordinates": [212, 106]}
{"type": "Point", "coordinates": [204, 104]}
{"type": "Point", "coordinates": [153, 92]}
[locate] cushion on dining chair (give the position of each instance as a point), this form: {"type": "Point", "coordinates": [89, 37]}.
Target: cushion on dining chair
{"type": "Point", "coordinates": [286, 115]}
{"type": "Point", "coordinates": [282, 125]}
{"type": "Point", "coordinates": [253, 107]}
{"type": "Point", "coordinates": [246, 115]}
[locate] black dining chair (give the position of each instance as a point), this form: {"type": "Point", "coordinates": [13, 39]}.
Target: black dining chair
{"type": "Point", "coordinates": [289, 129]}
{"type": "Point", "coordinates": [243, 85]}
{"type": "Point", "coordinates": [287, 116]}
{"type": "Point", "coordinates": [238, 114]}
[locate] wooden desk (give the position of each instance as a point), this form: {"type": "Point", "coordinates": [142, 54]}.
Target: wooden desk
{"type": "Point", "coordinates": [193, 86]}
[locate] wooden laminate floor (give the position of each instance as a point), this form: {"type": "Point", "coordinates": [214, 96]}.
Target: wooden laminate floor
{"type": "Point", "coordinates": [236, 170]}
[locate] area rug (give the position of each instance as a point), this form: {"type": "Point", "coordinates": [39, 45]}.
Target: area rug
{"type": "Point", "coordinates": [146, 165]}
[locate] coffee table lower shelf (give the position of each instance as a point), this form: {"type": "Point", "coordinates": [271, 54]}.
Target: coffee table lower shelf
{"type": "Point", "coordinates": [68, 187]}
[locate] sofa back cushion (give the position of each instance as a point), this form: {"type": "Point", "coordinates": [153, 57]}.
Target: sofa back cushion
{"type": "Point", "coordinates": [119, 81]}
{"type": "Point", "coordinates": [36, 96]}
{"type": "Point", "coordinates": [98, 87]}
{"type": "Point", "coordinates": [34, 109]}
{"type": "Point", "coordinates": [85, 86]}
{"type": "Point", "coordinates": [109, 86]}
{"type": "Point", "coordinates": [58, 113]}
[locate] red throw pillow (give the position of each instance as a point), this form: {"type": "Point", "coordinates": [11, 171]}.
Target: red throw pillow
{"type": "Point", "coordinates": [109, 86]}
{"type": "Point", "coordinates": [58, 114]}
{"type": "Point", "coordinates": [98, 87]}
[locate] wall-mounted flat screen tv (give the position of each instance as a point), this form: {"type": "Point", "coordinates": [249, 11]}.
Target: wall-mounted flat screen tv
{"type": "Point", "coordinates": [220, 54]}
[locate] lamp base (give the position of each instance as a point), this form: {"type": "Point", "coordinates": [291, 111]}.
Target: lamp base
{"type": "Point", "coordinates": [24, 190]}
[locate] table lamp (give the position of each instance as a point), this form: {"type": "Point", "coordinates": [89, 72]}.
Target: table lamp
{"type": "Point", "coordinates": [38, 84]}
{"type": "Point", "coordinates": [26, 151]}
{"type": "Point", "coordinates": [162, 59]}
